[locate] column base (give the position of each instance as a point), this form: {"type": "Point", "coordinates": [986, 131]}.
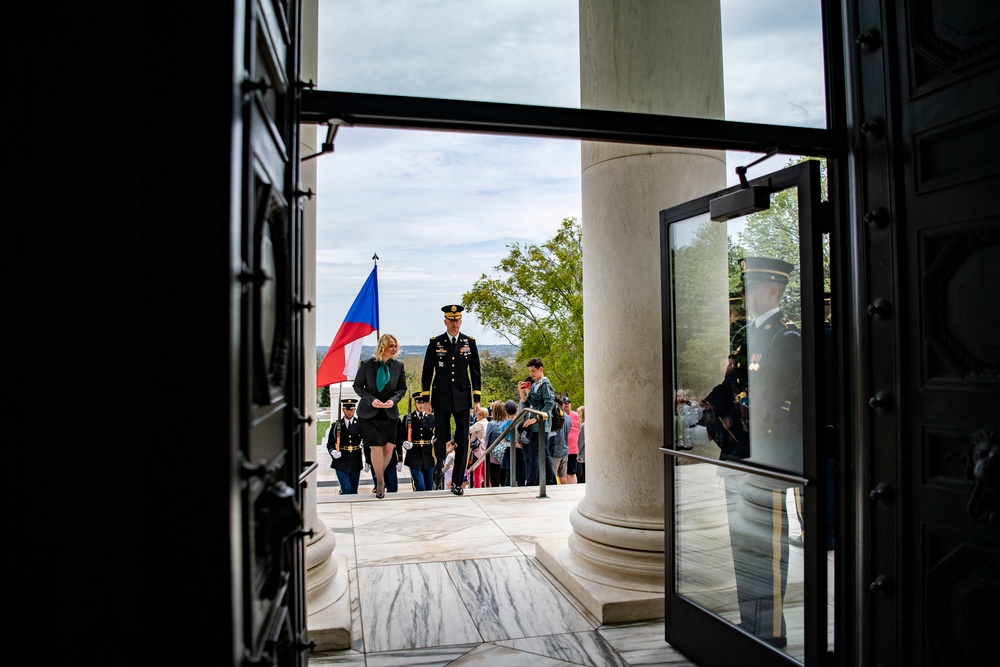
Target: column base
{"type": "Point", "coordinates": [609, 604]}
{"type": "Point", "coordinates": [329, 609]}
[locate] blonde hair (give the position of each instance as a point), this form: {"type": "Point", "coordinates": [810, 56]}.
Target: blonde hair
{"type": "Point", "coordinates": [580, 412]}
{"type": "Point", "coordinates": [499, 411]}
{"type": "Point", "coordinates": [482, 413]}
{"type": "Point", "coordinates": [383, 345]}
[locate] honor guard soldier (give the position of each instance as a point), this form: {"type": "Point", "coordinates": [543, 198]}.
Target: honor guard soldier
{"type": "Point", "coordinates": [343, 441]}
{"type": "Point", "coordinates": [758, 520]}
{"type": "Point", "coordinates": [418, 441]}
{"type": "Point", "coordinates": [452, 380]}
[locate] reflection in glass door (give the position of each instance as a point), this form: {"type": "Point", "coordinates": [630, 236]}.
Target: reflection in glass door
{"type": "Point", "coordinates": [742, 327]}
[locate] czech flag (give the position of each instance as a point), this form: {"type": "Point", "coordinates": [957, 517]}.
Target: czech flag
{"type": "Point", "coordinates": [341, 361]}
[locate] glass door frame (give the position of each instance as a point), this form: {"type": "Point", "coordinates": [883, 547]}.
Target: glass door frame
{"type": "Point", "coordinates": [686, 621]}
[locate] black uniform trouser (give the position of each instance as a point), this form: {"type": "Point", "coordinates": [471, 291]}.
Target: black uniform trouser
{"type": "Point", "coordinates": [442, 431]}
{"type": "Point", "coordinates": [758, 532]}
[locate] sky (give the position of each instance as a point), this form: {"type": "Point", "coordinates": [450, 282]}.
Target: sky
{"type": "Point", "coordinates": [441, 209]}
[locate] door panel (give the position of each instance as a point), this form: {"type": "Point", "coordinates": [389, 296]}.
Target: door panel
{"type": "Point", "coordinates": [271, 344]}
{"type": "Point", "coordinates": [944, 231]}
{"type": "Point", "coordinates": [745, 456]}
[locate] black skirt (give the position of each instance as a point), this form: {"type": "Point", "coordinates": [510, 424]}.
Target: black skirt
{"type": "Point", "coordinates": [378, 430]}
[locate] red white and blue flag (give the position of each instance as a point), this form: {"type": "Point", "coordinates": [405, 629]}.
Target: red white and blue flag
{"type": "Point", "coordinates": [341, 361]}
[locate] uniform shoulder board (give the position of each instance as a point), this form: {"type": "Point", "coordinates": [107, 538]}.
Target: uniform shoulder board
{"type": "Point", "coordinates": [472, 338]}
{"type": "Point", "coordinates": [432, 338]}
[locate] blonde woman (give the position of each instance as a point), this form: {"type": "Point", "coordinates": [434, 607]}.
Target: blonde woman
{"type": "Point", "coordinates": [381, 385]}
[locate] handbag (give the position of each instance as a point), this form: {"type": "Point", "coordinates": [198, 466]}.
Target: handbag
{"type": "Point", "coordinates": [478, 448]}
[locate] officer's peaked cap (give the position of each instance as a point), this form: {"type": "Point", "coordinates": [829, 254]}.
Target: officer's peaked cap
{"type": "Point", "coordinates": [766, 269]}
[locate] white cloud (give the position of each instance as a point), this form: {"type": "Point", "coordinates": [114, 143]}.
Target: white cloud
{"type": "Point", "coordinates": [515, 51]}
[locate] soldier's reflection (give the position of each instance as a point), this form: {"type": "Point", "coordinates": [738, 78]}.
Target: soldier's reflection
{"type": "Point", "coordinates": [758, 520]}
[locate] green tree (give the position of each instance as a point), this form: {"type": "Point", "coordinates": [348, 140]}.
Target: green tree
{"type": "Point", "coordinates": [701, 328]}
{"type": "Point", "coordinates": [500, 377]}
{"type": "Point", "coordinates": [537, 299]}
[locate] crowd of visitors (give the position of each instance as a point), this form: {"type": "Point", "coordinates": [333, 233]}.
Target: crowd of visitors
{"type": "Point", "coordinates": [493, 436]}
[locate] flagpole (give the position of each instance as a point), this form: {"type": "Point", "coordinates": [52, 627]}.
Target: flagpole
{"type": "Point", "coordinates": [377, 334]}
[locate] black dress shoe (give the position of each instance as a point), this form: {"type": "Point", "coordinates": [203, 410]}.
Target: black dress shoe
{"type": "Point", "coordinates": [457, 490]}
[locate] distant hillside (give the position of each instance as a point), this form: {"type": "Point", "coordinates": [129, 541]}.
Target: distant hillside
{"type": "Point", "coordinates": [504, 351]}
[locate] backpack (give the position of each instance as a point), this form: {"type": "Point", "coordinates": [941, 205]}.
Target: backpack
{"type": "Point", "coordinates": [558, 418]}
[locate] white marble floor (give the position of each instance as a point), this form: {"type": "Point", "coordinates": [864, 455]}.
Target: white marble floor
{"type": "Point", "coordinates": [443, 580]}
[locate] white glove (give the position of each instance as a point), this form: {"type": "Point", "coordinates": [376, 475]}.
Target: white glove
{"type": "Point", "coordinates": [336, 454]}
{"type": "Point", "coordinates": [407, 445]}
{"type": "Point", "coordinates": [368, 468]}
{"type": "Point", "coordinates": [399, 467]}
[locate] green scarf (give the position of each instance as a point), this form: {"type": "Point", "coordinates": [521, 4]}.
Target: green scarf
{"type": "Point", "coordinates": [382, 376]}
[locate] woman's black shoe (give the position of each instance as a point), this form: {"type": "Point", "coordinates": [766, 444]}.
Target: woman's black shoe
{"type": "Point", "coordinates": [456, 489]}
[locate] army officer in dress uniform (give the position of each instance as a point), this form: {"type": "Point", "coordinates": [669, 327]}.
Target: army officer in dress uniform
{"type": "Point", "coordinates": [758, 521]}
{"type": "Point", "coordinates": [418, 441]}
{"type": "Point", "coordinates": [452, 379]}
{"type": "Point", "coordinates": [343, 441]}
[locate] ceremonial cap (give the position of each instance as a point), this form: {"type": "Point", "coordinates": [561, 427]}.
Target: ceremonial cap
{"type": "Point", "coordinates": [419, 398]}
{"type": "Point", "coordinates": [766, 269]}
{"type": "Point", "coordinates": [349, 403]}
{"type": "Point", "coordinates": [453, 312]}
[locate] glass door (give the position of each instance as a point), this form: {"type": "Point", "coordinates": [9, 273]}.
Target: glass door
{"type": "Point", "coordinates": [745, 358]}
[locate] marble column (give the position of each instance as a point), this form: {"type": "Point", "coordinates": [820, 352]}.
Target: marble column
{"type": "Point", "coordinates": [328, 600]}
{"type": "Point", "coordinates": [643, 56]}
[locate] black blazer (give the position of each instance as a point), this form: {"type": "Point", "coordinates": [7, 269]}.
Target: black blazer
{"type": "Point", "coordinates": [365, 388]}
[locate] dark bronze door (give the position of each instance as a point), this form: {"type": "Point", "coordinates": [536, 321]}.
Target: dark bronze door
{"type": "Point", "coordinates": [271, 355]}
{"type": "Point", "coordinates": [746, 358]}
{"type": "Point", "coordinates": [929, 402]}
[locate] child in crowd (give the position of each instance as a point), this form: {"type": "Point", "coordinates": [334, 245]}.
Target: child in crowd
{"type": "Point", "coordinates": [449, 460]}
